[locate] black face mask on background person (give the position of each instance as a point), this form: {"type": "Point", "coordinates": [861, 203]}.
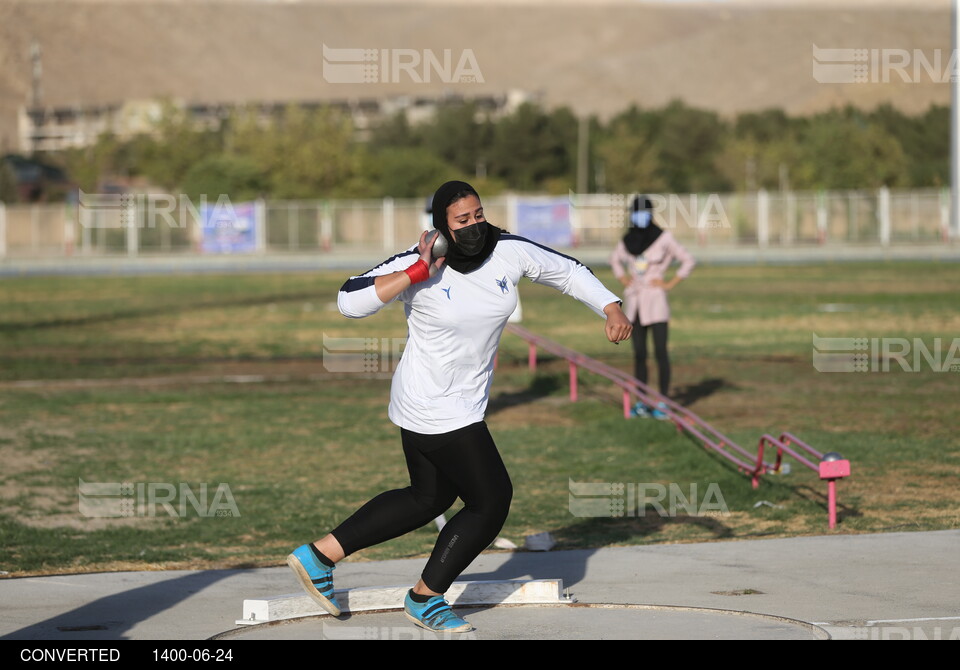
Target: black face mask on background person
{"type": "Point", "coordinates": [643, 229]}
{"type": "Point", "coordinates": [470, 239]}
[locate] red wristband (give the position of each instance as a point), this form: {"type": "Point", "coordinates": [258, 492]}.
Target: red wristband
{"type": "Point", "coordinates": [418, 272]}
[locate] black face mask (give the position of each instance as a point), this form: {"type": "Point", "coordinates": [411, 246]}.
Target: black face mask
{"type": "Point", "coordinates": [471, 239]}
{"type": "Point", "coordinates": [476, 241]}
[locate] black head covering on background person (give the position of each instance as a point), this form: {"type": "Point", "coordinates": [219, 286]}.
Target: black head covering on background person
{"type": "Point", "coordinates": [446, 195]}
{"type": "Point", "coordinates": [638, 239]}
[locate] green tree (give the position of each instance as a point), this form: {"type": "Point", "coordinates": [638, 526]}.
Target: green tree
{"type": "Point", "coordinates": [925, 141]}
{"type": "Point", "coordinates": [175, 147]}
{"type": "Point", "coordinates": [628, 155]}
{"type": "Point", "coordinates": [307, 153]}
{"type": "Point", "coordinates": [237, 177]}
{"type": "Point", "coordinates": [689, 141]}
{"type": "Point", "coordinates": [91, 166]}
{"type": "Point", "coordinates": [411, 172]}
{"type": "Point", "coordinates": [531, 147]}
{"type": "Point", "coordinates": [460, 135]}
{"type": "Point", "coordinates": [842, 150]}
{"type": "Point", "coordinates": [393, 131]}
{"type": "Point", "coordinates": [764, 127]}
{"type": "Point", "coordinates": [747, 164]}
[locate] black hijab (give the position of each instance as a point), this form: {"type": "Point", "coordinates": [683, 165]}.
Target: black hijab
{"type": "Point", "coordinates": [443, 198]}
{"type": "Point", "coordinates": [637, 240]}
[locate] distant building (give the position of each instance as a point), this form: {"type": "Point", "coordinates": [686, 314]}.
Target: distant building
{"type": "Point", "coordinates": [49, 129]}
{"type": "Point", "coordinates": [44, 129]}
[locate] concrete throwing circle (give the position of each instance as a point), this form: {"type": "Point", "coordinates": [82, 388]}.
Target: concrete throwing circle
{"type": "Point", "coordinates": [577, 621]}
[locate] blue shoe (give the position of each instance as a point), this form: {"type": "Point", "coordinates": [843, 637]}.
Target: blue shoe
{"type": "Point", "coordinates": [658, 413]}
{"type": "Point", "coordinates": [640, 411]}
{"type": "Point", "coordinates": [315, 578]}
{"type": "Point", "coordinates": [435, 615]}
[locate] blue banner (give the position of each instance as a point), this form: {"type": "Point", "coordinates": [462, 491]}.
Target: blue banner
{"type": "Point", "coordinates": [228, 228]}
{"type": "Point", "coordinates": [546, 221]}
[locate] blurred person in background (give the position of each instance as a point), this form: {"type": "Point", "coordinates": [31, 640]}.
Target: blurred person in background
{"type": "Point", "coordinates": [640, 262]}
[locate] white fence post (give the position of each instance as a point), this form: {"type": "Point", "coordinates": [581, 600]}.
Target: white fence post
{"type": "Point", "coordinates": [133, 227]}
{"type": "Point", "coordinates": [763, 218]}
{"type": "Point", "coordinates": [260, 221]}
{"type": "Point", "coordinates": [883, 212]}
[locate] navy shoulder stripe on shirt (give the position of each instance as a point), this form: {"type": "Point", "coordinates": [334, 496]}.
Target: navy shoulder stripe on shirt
{"type": "Point", "coordinates": [363, 281]}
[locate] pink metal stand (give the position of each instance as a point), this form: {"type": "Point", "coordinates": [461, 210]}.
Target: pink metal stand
{"type": "Point", "coordinates": [685, 420]}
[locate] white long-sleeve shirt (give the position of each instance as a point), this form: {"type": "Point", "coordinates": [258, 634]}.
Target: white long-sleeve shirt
{"type": "Point", "coordinates": [454, 325]}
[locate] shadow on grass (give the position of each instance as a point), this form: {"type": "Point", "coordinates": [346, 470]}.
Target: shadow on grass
{"type": "Point", "coordinates": [540, 387]}
{"type": "Point", "coordinates": [690, 394]}
{"type": "Point", "coordinates": [120, 315]}
{"type": "Point", "coordinates": [819, 497]}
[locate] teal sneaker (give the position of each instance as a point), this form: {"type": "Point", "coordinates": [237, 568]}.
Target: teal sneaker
{"type": "Point", "coordinates": [315, 578]}
{"type": "Point", "coordinates": [640, 411]}
{"type": "Point", "coordinates": [658, 413]}
{"type": "Point", "coordinates": [435, 615]}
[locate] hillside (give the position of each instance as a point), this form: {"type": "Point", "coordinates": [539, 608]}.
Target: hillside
{"type": "Point", "coordinates": [597, 57]}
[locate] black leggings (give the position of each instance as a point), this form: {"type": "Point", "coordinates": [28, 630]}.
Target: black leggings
{"type": "Point", "coordinates": [463, 463]}
{"type": "Point", "coordinates": [660, 352]}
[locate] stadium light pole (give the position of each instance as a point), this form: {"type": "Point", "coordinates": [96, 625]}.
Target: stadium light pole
{"type": "Point", "coordinates": [955, 126]}
{"type": "Point", "coordinates": [583, 152]}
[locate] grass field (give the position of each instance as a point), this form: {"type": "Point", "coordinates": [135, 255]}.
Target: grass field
{"type": "Point", "coordinates": [201, 381]}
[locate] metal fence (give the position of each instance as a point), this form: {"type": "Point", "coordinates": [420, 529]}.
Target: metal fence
{"type": "Point", "coordinates": [166, 225]}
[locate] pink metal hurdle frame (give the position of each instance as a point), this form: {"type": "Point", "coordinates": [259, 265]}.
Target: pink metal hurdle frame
{"type": "Point", "coordinates": [684, 419]}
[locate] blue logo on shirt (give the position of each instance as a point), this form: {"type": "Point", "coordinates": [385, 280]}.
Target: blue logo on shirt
{"type": "Point", "coordinates": [447, 291]}
{"type": "Point", "coordinates": [502, 283]}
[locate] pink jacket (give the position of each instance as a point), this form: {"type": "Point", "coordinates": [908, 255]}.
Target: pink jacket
{"type": "Point", "coordinates": [642, 302]}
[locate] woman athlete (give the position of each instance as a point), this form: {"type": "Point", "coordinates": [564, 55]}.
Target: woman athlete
{"type": "Point", "coordinates": [456, 308]}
